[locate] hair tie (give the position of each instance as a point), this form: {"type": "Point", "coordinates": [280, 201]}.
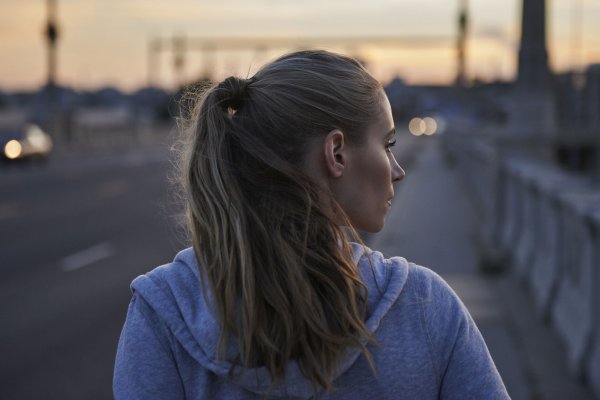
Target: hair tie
{"type": "Point", "coordinates": [233, 92]}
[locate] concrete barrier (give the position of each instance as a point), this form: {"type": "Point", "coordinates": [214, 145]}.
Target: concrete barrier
{"type": "Point", "coordinates": [592, 362]}
{"type": "Point", "coordinates": [103, 127]}
{"type": "Point", "coordinates": [544, 274]}
{"type": "Point", "coordinates": [478, 162]}
{"type": "Point", "coordinates": [516, 234]}
{"type": "Point", "coordinates": [527, 233]}
{"type": "Point", "coordinates": [547, 223]}
{"type": "Point", "coordinates": [511, 200]}
{"type": "Point", "coordinates": [574, 308]}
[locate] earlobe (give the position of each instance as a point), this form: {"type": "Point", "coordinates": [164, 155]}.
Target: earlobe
{"type": "Point", "coordinates": [334, 149]}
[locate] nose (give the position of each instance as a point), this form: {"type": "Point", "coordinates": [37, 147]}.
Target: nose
{"type": "Point", "coordinates": [397, 172]}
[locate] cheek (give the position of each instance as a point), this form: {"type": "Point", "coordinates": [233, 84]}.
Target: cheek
{"type": "Point", "coordinates": [379, 180]}
{"type": "Point", "coordinates": [379, 173]}
{"type": "Point", "coordinates": [385, 170]}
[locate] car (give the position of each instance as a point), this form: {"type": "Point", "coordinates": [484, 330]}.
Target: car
{"type": "Point", "coordinates": [24, 141]}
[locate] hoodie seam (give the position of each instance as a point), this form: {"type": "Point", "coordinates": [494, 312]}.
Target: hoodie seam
{"type": "Point", "coordinates": [157, 326]}
{"type": "Point", "coordinates": [165, 339]}
{"type": "Point", "coordinates": [430, 346]}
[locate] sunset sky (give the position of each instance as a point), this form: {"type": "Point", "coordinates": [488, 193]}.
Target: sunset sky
{"type": "Point", "coordinates": [105, 42]}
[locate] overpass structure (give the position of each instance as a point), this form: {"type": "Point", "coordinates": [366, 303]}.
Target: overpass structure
{"type": "Point", "coordinates": [208, 47]}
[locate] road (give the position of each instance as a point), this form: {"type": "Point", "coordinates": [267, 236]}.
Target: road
{"type": "Point", "coordinates": [74, 233]}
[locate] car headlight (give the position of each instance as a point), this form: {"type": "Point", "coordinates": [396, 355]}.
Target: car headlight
{"type": "Point", "coordinates": [13, 149]}
{"type": "Point", "coordinates": [39, 140]}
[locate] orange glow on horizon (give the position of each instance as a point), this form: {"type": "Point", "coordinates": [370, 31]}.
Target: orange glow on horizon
{"type": "Point", "coordinates": [106, 43]}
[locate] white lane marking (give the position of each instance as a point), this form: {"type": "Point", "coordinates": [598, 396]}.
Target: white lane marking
{"type": "Point", "coordinates": [86, 257]}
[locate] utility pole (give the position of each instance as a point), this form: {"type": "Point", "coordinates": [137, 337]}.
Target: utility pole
{"type": "Point", "coordinates": [51, 34]}
{"type": "Point", "coordinates": [179, 54]}
{"type": "Point", "coordinates": [154, 47]}
{"type": "Point", "coordinates": [463, 25]}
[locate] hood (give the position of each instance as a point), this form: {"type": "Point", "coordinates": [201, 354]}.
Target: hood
{"type": "Point", "coordinates": [173, 291]}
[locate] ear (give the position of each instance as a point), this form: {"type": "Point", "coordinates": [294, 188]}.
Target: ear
{"type": "Point", "coordinates": [334, 148]}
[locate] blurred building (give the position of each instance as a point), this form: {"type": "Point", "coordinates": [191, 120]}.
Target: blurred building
{"type": "Point", "coordinates": [591, 101]}
{"type": "Point", "coordinates": [531, 105]}
{"type": "Point", "coordinates": [578, 105]}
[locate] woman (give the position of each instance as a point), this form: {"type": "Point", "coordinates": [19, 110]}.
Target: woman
{"type": "Point", "coordinates": [274, 299]}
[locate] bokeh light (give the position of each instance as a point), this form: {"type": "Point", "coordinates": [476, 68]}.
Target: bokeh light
{"type": "Point", "coordinates": [13, 149]}
{"type": "Point", "coordinates": [430, 126]}
{"type": "Point", "coordinates": [416, 126]}
{"type": "Point", "coordinates": [423, 126]}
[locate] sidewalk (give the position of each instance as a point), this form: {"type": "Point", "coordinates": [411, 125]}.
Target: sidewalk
{"type": "Point", "coordinates": [431, 223]}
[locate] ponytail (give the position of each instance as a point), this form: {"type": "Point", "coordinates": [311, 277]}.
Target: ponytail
{"type": "Point", "coordinates": [279, 268]}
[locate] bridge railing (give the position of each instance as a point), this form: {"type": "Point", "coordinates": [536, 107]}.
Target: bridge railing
{"type": "Point", "coordinates": [544, 223]}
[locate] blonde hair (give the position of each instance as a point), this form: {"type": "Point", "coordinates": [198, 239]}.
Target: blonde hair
{"type": "Point", "coordinates": [279, 269]}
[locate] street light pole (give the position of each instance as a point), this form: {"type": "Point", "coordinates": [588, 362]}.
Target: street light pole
{"type": "Point", "coordinates": [51, 33]}
{"type": "Point", "coordinates": [463, 24]}
{"type": "Point", "coordinates": [52, 106]}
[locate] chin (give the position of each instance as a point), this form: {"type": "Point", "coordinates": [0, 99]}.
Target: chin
{"type": "Point", "coordinates": [376, 230]}
{"type": "Point", "coordinates": [371, 228]}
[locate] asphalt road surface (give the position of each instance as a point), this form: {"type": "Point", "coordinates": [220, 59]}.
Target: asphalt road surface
{"type": "Point", "coordinates": [73, 234]}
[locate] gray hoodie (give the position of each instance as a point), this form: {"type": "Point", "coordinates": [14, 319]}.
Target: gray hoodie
{"type": "Point", "coordinates": [429, 346]}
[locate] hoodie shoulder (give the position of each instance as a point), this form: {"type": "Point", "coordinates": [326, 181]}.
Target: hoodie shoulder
{"type": "Point", "coordinates": [395, 279]}
{"type": "Point", "coordinates": [184, 264]}
{"type": "Point", "coordinates": [177, 281]}
{"type": "Point", "coordinates": [175, 293]}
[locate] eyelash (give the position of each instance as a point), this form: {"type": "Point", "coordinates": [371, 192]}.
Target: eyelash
{"type": "Point", "coordinates": [390, 144]}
